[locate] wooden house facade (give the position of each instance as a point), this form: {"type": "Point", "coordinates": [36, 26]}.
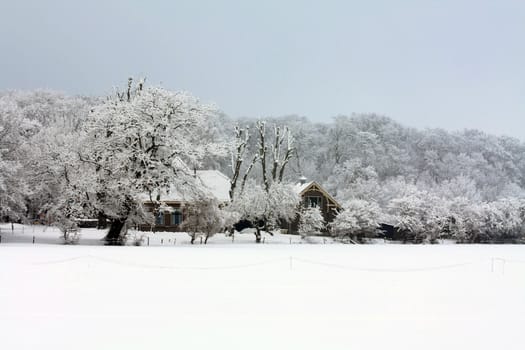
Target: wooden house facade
{"type": "Point", "coordinates": [313, 195]}
{"type": "Point", "coordinates": [174, 211]}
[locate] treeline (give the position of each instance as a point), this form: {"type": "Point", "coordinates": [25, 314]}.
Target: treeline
{"type": "Point", "coordinates": [426, 184]}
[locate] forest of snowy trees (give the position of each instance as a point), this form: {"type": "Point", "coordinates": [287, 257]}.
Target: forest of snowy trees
{"type": "Point", "coordinates": [67, 157]}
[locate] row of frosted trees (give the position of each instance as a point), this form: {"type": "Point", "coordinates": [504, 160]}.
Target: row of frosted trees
{"type": "Point", "coordinates": [427, 218]}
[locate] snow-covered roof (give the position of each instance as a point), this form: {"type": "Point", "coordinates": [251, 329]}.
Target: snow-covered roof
{"type": "Point", "coordinates": [300, 187]}
{"type": "Point", "coordinates": [215, 183]}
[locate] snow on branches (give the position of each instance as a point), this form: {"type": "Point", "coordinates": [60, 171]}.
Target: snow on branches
{"type": "Point", "coordinates": [311, 222]}
{"type": "Point", "coordinates": [266, 209]}
{"type": "Point", "coordinates": [145, 141]}
{"type": "Point", "coordinates": [358, 219]}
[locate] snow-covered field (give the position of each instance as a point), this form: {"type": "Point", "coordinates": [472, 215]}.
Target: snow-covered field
{"type": "Point", "coordinates": [228, 295]}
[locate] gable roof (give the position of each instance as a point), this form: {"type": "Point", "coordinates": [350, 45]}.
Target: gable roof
{"type": "Point", "coordinates": [215, 183]}
{"type": "Point", "coordinates": [301, 189]}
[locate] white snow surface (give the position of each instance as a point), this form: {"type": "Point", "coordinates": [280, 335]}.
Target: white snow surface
{"type": "Point", "coordinates": [240, 295]}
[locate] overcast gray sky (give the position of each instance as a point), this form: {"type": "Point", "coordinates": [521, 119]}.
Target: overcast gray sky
{"type": "Point", "coordinates": [444, 63]}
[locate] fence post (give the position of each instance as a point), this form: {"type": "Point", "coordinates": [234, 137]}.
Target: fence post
{"type": "Point", "coordinates": [174, 241]}
{"type": "Point", "coordinates": [33, 239]}
{"type": "Point", "coordinates": [148, 241]}
{"type": "Point", "coordinates": [162, 241]}
{"type": "Point", "coordinates": [0, 238]}
{"type": "Point", "coordinates": [501, 263]}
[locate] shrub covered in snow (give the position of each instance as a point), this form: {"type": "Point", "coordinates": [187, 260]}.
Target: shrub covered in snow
{"type": "Point", "coordinates": [206, 217]}
{"type": "Point", "coordinates": [358, 219]}
{"type": "Point", "coordinates": [311, 222]}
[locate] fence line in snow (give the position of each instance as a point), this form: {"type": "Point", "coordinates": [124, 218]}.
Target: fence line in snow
{"type": "Point", "coordinates": [166, 267]}
{"type": "Point", "coordinates": [497, 264]}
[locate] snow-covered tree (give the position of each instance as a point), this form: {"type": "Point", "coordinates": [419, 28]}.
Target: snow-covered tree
{"type": "Point", "coordinates": [242, 136]}
{"type": "Point", "coordinates": [144, 141]}
{"type": "Point", "coordinates": [33, 125]}
{"type": "Point", "coordinates": [421, 216]}
{"type": "Point", "coordinates": [266, 209]}
{"type": "Point", "coordinates": [13, 130]}
{"type": "Point", "coordinates": [358, 219]}
{"type": "Point", "coordinates": [311, 222]}
{"type": "Point", "coordinates": [206, 217]}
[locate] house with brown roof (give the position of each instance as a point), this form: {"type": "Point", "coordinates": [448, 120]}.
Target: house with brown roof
{"type": "Point", "coordinates": [314, 195]}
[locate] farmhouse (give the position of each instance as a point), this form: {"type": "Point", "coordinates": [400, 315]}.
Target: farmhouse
{"type": "Point", "coordinates": [314, 195]}
{"type": "Point", "coordinates": [174, 213]}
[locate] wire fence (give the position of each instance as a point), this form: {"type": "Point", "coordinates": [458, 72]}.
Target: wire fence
{"type": "Point", "coordinates": [19, 233]}
{"type": "Point", "coordinates": [38, 234]}
{"type": "Point", "coordinates": [492, 265]}
{"type": "Point", "coordinates": [26, 234]}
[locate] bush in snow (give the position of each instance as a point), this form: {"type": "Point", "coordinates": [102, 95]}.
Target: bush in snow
{"type": "Point", "coordinates": [503, 220]}
{"type": "Point", "coordinates": [69, 229]}
{"type": "Point", "coordinates": [205, 217]}
{"type": "Point", "coordinates": [358, 219]}
{"type": "Point", "coordinates": [420, 216]}
{"type": "Point", "coordinates": [311, 222]}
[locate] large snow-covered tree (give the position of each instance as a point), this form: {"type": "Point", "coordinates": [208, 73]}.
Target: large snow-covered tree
{"type": "Point", "coordinates": [139, 144]}
{"type": "Point", "coordinates": [33, 128]}
{"type": "Point", "coordinates": [14, 132]}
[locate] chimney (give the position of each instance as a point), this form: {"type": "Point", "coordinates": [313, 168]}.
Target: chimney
{"type": "Point", "coordinates": [302, 180]}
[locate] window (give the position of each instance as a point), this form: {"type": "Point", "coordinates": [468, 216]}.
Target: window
{"type": "Point", "coordinates": [176, 218]}
{"type": "Point", "coordinates": [313, 201]}
{"type": "Point", "coordinates": [159, 219]}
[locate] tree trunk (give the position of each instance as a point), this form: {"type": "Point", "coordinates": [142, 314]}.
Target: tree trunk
{"type": "Point", "coordinates": [115, 235]}
{"type": "Point", "coordinates": [102, 222]}
{"type": "Point", "coordinates": [206, 239]}
{"type": "Point", "coordinates": [192, 238]}
{"type": "Point", "coordinates": [257, 235]}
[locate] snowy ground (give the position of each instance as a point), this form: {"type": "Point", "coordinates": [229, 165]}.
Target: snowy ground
{"type": "Point", "coordinates": [246, 296]}
{"type": "Point", "coordinates": [39, 234]}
